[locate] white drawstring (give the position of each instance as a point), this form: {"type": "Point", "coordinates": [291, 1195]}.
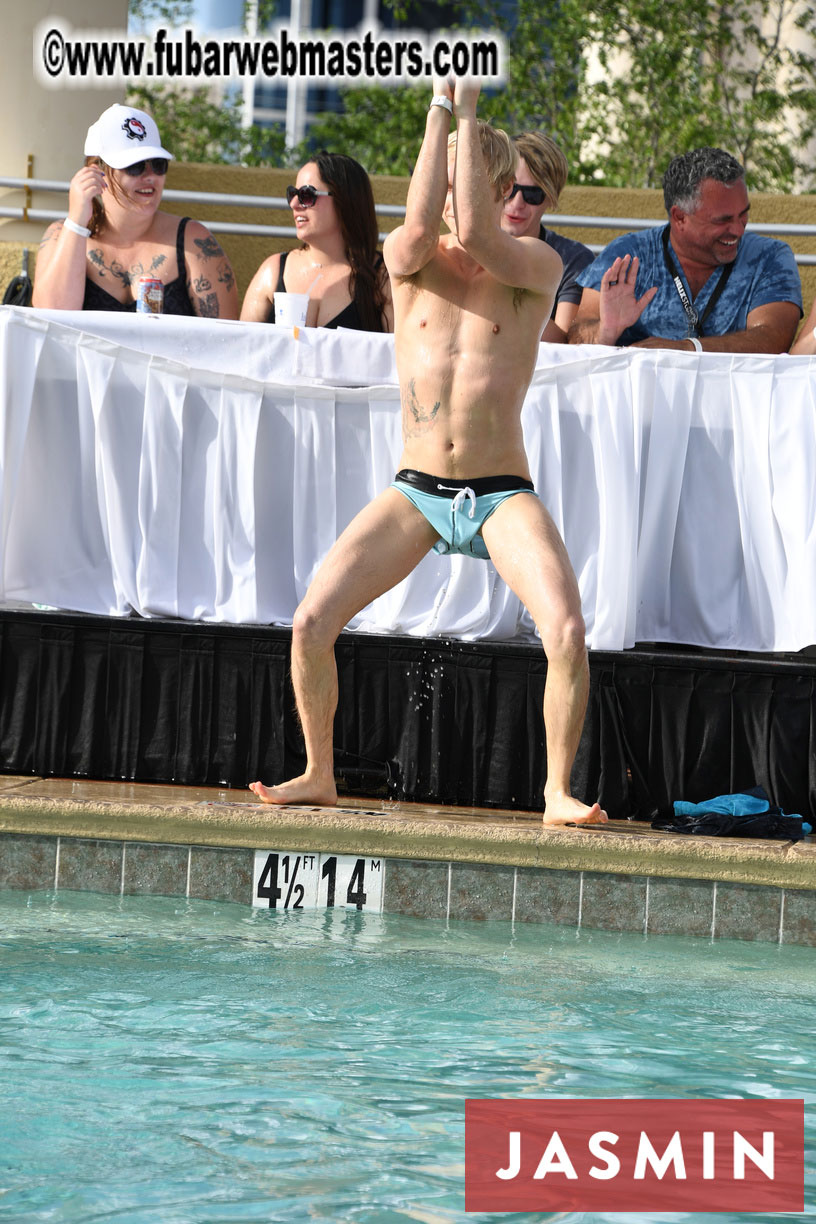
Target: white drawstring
{"type": "Point", "coordinates": [459, 500]}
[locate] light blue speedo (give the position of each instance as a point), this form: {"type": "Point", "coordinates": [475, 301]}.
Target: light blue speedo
{"type": "Point", "coordinates": [457, 511]}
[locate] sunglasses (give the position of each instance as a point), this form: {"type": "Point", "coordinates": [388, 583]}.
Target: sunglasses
{"type": "Point", "coordinates": [306, 195]}
{"type": "Point", "coordinates": [159, 165]}
{"type": "Point", "coordinates": [531, 195]}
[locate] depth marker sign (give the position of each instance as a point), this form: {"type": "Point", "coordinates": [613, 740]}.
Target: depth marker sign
{"type": "Point", "coordinates": [288, 880]}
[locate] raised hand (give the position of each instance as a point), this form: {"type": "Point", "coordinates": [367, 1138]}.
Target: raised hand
{"type": "Point", "coordinates": [443, 86]}
{"type": "Point", "coordinates": [88, 182]}
{"type": "Point", "coordinates": [619, 306]}
{"type": "Point", "coordinates": [465, 95]}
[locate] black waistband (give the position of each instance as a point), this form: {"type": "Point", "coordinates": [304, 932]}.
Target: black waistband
{"type": "Point", "coordinates": [449, 486]}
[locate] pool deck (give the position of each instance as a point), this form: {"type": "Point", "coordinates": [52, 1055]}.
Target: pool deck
{"type": "Point", "coordinates": [438, 862]}
{"type": "Point", "coordinates": [212, 817]}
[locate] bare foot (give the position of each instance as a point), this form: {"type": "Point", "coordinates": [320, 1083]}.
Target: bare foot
{"type": "Point", "coordinates": [305, 789]}
{"type": "Point", "coordinates": [563, 809]}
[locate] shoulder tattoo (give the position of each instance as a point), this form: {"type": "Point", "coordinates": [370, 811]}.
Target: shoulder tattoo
{"type": "Point", "coordinates": [51, 233]}
{"type": "Point", "coordinates": [208, 247]}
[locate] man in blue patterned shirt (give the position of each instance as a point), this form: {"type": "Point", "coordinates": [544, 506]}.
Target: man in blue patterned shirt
{"type": "Point", "coordinates": [701, 282]}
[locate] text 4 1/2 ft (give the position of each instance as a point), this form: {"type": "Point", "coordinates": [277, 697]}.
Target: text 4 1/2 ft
{"type": "Point", "coordinates": [284, 879]}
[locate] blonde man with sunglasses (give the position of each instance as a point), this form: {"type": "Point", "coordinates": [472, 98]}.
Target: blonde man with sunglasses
{"type": "Point", "coordinates": [541, 175]}
{"type": "Point", "coordinates": [469, 308]}
{"type": "Point", "coordinates": [114, 232]}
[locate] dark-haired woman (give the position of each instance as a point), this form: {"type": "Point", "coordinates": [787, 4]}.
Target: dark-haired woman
{"type": "Point", "coordinates": [337, 264]}
{"type": "Point", "coordinates": [114, 232]}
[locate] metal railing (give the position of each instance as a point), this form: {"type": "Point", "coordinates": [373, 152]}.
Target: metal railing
{"type": "Point", "coordinates": [560, 220]}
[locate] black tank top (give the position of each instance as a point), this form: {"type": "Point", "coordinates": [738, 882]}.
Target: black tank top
{"type": "Point", "coordinates": [176, 298]}
{"type": "Point", "coordinates": [349, 316]}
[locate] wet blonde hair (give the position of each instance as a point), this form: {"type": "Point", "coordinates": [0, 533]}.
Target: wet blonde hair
{"type": "Point", "coordinates": [499, 155]}
{"type": "Point", "coordinates": [545, 161]}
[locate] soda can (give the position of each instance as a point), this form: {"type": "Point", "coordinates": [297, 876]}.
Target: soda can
{"type": "Point", "coordinates": [149, 296]}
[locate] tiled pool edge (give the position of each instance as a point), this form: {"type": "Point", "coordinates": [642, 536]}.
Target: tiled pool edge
{"type": "Point", "coordinates": [430, 889]}
{"type": "Point", "coordinates": [443, 866]}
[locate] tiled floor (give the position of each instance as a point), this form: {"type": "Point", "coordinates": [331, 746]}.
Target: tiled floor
{"type": "Point", "coordinates": [439, 862]}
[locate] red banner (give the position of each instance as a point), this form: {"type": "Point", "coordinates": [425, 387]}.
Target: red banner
{"type": "Point", "coordinates": [634, 1155]}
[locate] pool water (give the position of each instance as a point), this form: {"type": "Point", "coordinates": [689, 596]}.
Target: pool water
{"type": "Point", "coordinates": [173, 1062]}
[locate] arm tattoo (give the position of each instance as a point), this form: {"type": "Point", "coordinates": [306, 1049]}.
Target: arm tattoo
{"type": "Point", "coordinates": [208, 306]}
{"type": "Point", "coordinates": [208, 247]}
{"type": "Point", "coordinates": [51, 233]}
{"type": "Point", "coordinates": [423, 418]}
{"type": "Point", "coordinates": [201, 284]}
{"type": "Point", "coordinates": [225, 275]}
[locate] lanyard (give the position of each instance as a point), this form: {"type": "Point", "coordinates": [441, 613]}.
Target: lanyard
{"type": "Point", "coordinates": [695, 321]}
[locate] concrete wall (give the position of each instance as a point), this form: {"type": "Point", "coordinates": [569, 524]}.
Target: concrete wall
{"type": "Point", "coordinates": [48, 124]}
{"type": "Point", "coordinates": [43, 130]}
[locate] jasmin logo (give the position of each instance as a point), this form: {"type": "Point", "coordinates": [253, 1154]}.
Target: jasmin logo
{"type": "Point", "coordinates": [134, 128]}
{"type": "Point", "coordinates": [613, 1155]}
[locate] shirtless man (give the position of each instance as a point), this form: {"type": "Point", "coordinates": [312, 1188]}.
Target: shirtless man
{"type": "Point", "coordinates": [469, 310]}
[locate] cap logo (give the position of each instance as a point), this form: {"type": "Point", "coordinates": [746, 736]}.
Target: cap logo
{"type": "Point", "coordinates": [134, 128]}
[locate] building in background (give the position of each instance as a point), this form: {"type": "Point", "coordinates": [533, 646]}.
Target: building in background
{"type": "Point", "coordinates": [48, 125]}
{"type": "Point", "coordinates": [294, 104]}
{"type": "Point", "coordinates": [43, 131]}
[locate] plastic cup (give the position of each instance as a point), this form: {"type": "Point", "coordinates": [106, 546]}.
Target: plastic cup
{"type": "Point", "coordinates": [290, 309]}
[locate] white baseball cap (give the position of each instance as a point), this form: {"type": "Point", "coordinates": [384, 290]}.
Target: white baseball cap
{"type": "Point", "coordinates": [123, 135]}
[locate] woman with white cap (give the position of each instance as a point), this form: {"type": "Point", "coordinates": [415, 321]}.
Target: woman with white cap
{"type": "Point", "coordinates": [114, 232]}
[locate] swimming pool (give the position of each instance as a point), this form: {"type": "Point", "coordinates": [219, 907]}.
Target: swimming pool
{"type": "Point", "coordinates": [185, 1062]}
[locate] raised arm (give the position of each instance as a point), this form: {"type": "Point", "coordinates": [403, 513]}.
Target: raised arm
{"type": "Point", "coordinates": [524, 263]}
{"type": "Point", "coordinates": [210, 278]}
{"type": "Point", "coordinates": [59, 277]}
{"type": "Point", "coordinates": [410, 247]}
{"type": "Point", "coordinates": [388, 307]}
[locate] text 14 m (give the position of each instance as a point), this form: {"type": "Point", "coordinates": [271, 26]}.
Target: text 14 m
{"type": "Point", "coordinates": [284, 879]}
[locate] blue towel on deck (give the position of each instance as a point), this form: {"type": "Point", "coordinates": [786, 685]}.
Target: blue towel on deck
{"type": "Point", "coordinates": [743, 803]}
{"type": "Point", "coordinates": [747, 813]}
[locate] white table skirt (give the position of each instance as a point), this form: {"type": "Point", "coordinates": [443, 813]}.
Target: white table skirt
{"type": "Point", "coordinates": [201, 469]}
